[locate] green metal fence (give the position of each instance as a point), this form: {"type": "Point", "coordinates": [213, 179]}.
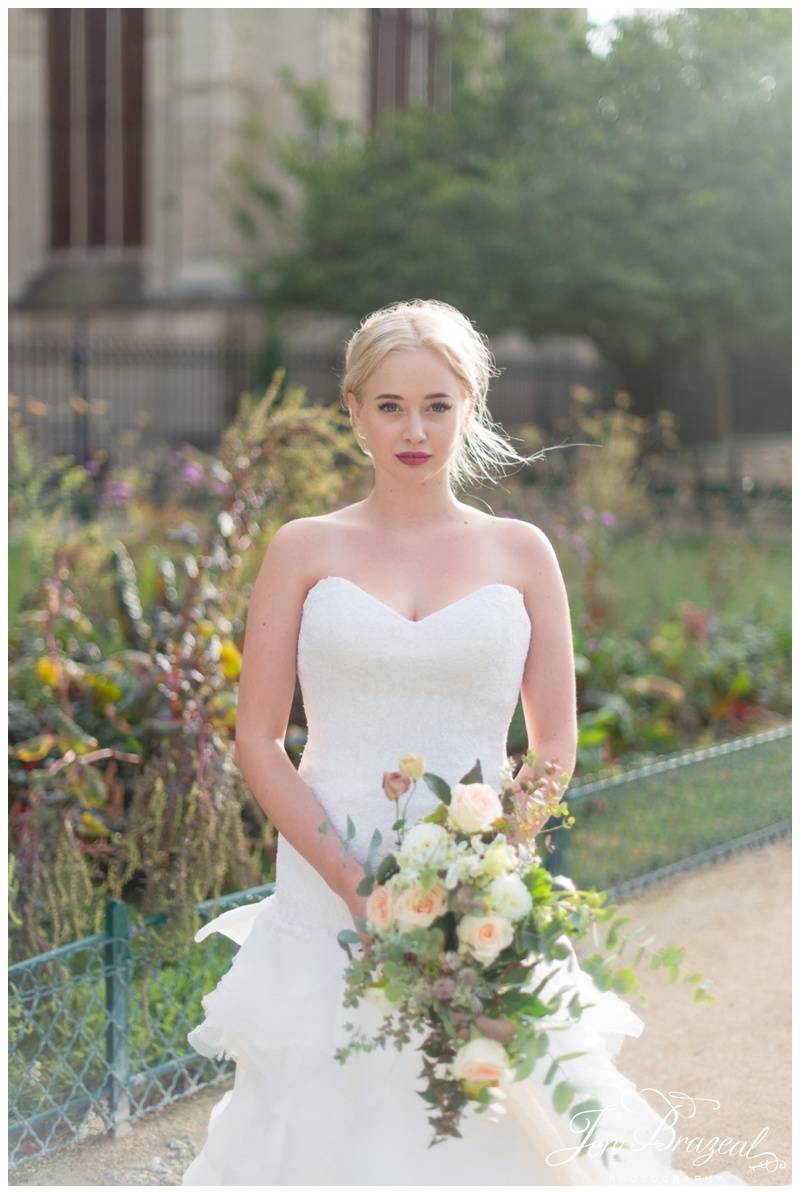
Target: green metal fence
{"type": "Point", "coordinates": [97, 1031]}
{"type": "Point", "coordinates": [93, 1045]}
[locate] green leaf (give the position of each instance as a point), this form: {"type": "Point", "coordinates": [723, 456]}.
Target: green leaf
{"type": "Point", "coordinates": [387, 868]}
{"type": "Point", "coordinates": [351, 830]}
{"type": "Point", "coordinates": [323, 827]}
{"type": "Point", "coordinates": [563, 1096]}
{"type": "Point", "coordinates": [474, 775]}
{"type": "Point", "coordinates": [365, 886]}
{"type": "Point", "coordinates": [438, 786]}
{"type": "Point", "coordinates": [611, 937]}
{"type": "Point", "coordinates": [348, 937]}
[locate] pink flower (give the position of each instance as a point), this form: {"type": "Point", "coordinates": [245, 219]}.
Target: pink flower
{"type": "Point", "coordinates": [695, 624]}
{"type": "Point", "coordinates": [192, 474]}
{"type": "Point", "coordinates": [608, 519]}
{"type": "Point", "coordinates": [395, 784]}
{"type": "Point", "coordinates": [587, 513]}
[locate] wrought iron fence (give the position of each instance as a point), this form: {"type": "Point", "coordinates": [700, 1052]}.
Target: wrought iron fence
{"type": "Point", "coordinates": [88, 392]}
{"type": "Point", "coordinates": [92, 1046]}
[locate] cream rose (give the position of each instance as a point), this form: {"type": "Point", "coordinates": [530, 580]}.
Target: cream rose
{"type": "Point", "coordinates": [481, 1061]}
{"type": "Point", "coordinates": [426, 844]}
{"type": "Point", "coordinates": [484, 936]}
{"type": "Point", "coordinates": [379, 908]}
{"type": "Point", "coordinates": [415, 910]}
{"type": "Point", "coordinates": [510, 897]}
{"type": "Point", "coordinates": [474, 807]}
{"type": "Point", "coordinates": [413, 766]}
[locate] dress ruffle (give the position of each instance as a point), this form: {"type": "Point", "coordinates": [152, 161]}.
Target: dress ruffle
{"type": "Point", "coordinates": [297, 1116]}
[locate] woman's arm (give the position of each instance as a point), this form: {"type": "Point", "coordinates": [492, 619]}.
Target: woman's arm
{"type": "Point", "coordinates": [548, 690]}
{"type": "Point", "coordinates": [266, 690]}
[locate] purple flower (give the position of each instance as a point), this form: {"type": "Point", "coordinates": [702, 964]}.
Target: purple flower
{"type": "Point", "coordinates": [118, 493]}
{"type": "Point", "coordinates": [192, 474]}
{"type": "Point", "coordinates": [608, 519]}
{"type": "Point", "coordinates": [92, 468]}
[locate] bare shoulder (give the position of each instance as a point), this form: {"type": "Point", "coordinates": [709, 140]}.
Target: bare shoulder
{"type": "Point", "coordinates": [533, 558]}
{"type": "Point", "coordinates": [296, 545]}
{"type": "Point", "coordinates": [525, 536]}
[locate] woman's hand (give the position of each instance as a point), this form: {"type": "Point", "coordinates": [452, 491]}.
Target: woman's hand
{"type": "Point", "coordinates": [357, 904]}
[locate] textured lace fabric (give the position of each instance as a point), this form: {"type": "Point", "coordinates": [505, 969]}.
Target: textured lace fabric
{"type": "Point", "coordinates": [376, 686]}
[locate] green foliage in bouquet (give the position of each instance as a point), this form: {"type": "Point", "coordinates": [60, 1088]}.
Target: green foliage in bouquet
{"type": "Point", "coordinates": [467, 941]}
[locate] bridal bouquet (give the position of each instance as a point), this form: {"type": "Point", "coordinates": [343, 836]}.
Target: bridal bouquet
{"type": "Point", "coordinates": [464, 930]}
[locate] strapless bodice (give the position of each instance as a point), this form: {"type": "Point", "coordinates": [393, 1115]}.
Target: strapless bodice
{"type": "Point", "coordinates": [377, 686]}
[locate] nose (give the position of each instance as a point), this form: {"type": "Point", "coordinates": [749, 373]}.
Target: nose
{"type": "Point", "coordinates": [414, 432]}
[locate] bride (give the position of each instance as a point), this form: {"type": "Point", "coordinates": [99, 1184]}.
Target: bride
{"type": "Point", "coordinates": [414, 622]}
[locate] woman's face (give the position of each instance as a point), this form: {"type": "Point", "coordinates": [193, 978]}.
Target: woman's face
{"type": "Point", "coordinates": [413, 402]}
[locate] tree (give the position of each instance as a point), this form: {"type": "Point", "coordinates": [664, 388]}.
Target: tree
{"type": "Point", "coordinates": [641, 198]}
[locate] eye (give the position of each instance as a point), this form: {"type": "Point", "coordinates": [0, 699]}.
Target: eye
{"type": "Point", "coordinates": [443, 406]}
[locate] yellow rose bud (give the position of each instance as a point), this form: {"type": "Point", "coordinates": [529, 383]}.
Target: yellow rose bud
{"type": "Point", "coordinates": [413, 766]}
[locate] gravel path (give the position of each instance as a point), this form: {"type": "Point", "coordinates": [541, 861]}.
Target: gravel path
{"type": "Point", "coordinates": [733, 918]}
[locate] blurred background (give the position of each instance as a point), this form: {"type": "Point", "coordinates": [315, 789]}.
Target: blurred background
{"type": "Point", "coordinates": [204, 203]}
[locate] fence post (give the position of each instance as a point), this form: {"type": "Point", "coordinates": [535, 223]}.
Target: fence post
{"type": "Point", "coordinates": [117, 968]}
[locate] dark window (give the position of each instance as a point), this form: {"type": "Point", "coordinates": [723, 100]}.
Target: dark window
{"type": "Point", "coordinates": [408, 59]}
{"type": "Point", "coordinates": [95, 104]}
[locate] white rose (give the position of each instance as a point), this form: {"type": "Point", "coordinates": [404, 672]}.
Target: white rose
{"type": "Point", "coordinates": [474, 807]}
{"type": "Point", "coordinates": [426, 844]}
{"type": "Point", "coordinates": [415, 910]}
{"type": "Point", "coordinates": [378, 998]}
{"type": "Point", "coordinates": [510, 897]}
{"type": "Point", "coordinates": [484, 936]}
{"type": "Point", "coordinates": [481, 1061]}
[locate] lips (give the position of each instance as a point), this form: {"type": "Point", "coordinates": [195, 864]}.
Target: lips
{"type": "Point", "coordinates": [413, 455]}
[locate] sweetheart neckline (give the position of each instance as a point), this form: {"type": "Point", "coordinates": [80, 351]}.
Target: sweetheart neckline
{"type": "Point", "coordinates": [419, 621]}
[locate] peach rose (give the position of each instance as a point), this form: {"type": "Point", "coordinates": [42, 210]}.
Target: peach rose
{"type": "Point", "coordinates": [484, 936]}
{"type": "Point", "coordinates": [415, 910]}
{"type": "Point", "coordinates": [481, 1062]}
{"type": "Point", "coordinates": [379, 908]}
{"type": "Point", "coordinates": [474, 807]}
{"type": "Point", "coordinates": [395, 784]}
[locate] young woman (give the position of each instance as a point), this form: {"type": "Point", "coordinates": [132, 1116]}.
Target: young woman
{"type": "Point", "coordinates": [414, 622]}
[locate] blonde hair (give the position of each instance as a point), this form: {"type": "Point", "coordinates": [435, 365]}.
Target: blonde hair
{"type": "Point", "coordinates": [484, 449]}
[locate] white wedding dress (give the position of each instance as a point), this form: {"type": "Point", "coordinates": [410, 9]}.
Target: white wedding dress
{"type": "Point", "coordinates": [377, 686]}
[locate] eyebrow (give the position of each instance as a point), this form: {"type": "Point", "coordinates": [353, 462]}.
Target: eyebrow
{"type": "Point", "coordinates": [400, 398]}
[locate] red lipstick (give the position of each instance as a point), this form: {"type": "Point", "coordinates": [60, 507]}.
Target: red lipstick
{"type": "Point", "coordinates": [413, 457]}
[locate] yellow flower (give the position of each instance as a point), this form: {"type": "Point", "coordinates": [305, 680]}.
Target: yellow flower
{"type": "Point", "coordinates": [413, 766]}
{"type": "Point", "coordinates": [231, 659]}
{"type": "Point", "coordinates": [205, 628]}
{"type": "Point", "coordinates": [92, 826]}
{"type": "Point", "coordinates": [48, 670]}
{"type": "Point", "coordinates": [35, 749]}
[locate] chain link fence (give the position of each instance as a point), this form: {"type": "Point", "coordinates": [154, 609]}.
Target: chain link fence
{"type": "Point", "coordinates": [98, 1030]}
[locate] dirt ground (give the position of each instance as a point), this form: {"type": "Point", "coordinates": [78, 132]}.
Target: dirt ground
{"type": "Point", "coordinates": [734, 919]}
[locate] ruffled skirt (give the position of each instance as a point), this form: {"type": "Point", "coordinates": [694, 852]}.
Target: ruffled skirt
{"type": "Point", "coordinates": [296, 1116]}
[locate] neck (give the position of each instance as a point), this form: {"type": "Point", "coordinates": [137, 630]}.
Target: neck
{"type": "Point", "coordinates": [399, 508]}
